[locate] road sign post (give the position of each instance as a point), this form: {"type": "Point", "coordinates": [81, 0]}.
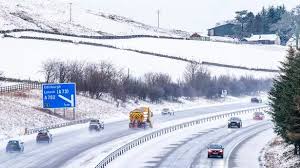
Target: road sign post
{"type": "Point", "coordinates": [61, 95]}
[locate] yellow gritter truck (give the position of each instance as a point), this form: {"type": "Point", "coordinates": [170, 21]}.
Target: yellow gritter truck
{"type": "Point", "coordinates": [140, 118]}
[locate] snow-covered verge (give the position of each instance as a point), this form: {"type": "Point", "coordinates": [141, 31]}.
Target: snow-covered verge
{"type": "Point", "coordinates": [20, 110]}
{"type": "Point", "coordinates": [7, 83]}
{"type": "Point", "coordinates": [54, 15]}
{"type": "Point", "coordinates": [278, 154]}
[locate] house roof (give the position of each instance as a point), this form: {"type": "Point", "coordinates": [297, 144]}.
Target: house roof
{"type": "Point", "coordinates": [223, 23]}
{"type": "Point", "coordinates": [258, 37]}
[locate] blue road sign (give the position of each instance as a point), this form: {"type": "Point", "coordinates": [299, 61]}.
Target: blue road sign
{"type": "Point", "coordinates": [60, 95]}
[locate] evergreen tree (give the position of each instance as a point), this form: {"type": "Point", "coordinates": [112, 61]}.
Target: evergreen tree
{"type": "Point", "coordinates": [250, 24]}
{"type": "Point", "coordinates": [258, 24]}
{"type": "Point", "coordinates": [286, 87]}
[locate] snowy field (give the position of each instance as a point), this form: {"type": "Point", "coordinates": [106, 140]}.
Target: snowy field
{"type": "Point", "coordinates": [32, 53]}
{"type": "Point", "coordinates": [240, 54]}
{"type": "Point", "coordinates": [54, 15]}
{"type": "Point", "coordinates": [252, 56]}
{"type": "Point", "coordinates": [246, 55]}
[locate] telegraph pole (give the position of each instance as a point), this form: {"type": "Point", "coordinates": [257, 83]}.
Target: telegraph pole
{"type": "Point", "coordinates": [297, 35]}
{"type": "Point", "coordinates": [70, 12]}
{"type": "Point", "coordinates": [158, 12]}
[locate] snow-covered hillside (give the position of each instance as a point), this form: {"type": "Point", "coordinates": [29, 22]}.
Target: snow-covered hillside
{"type": "Point", "coordinates": [30, 54]}
{"type": "Point", "coordinates": [253, 56]}
{"type": "Point", "coordinates": [54, 15]}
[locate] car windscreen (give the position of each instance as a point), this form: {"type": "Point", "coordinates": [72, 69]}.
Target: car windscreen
{"type": "Point", "coordinates": [13, 145]}
{"type": "Point", "coordinates": [214, 146]}
{"type": "Point", "coordinates": [259, 113]}
{"type": "Point", "coordinates": [42, 134]}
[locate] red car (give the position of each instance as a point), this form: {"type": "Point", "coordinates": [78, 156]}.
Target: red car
{"type": "Point", "coordinates": [215, 150]}
{"type": "Point", "coordinates": [258, 116]}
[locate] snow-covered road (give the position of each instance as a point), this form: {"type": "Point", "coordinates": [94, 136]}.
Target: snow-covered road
{"type": "Point", "coordinates": [69, 144]}
{"type": "Point", "coordinates": [187, 148]}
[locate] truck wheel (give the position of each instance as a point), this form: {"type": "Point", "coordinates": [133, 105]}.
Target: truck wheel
{"type": "Point", "coordinates": [208, 156]}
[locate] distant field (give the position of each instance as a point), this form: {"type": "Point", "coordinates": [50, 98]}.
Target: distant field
{"type": "Point", "coordinates": [24, 58]}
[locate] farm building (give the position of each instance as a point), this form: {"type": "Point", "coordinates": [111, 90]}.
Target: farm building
{"type": "Point", "coordinates": [263, 39]}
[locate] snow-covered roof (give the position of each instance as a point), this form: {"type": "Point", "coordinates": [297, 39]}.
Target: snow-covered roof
{"type": "Point", "coordinates": [258, 37]}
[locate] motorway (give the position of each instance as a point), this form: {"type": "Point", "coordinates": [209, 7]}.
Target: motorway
{"type": "Point", "coordinates": [67, 145]}
{"type": "Point", "coordinates": [188, 149]}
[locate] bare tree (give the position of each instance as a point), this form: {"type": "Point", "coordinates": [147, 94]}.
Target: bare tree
{"type": "Point", "coordinates": [48, 68]}
{"type": "Point", "coordinates": [61, 71]}
{"type": "Point", "coordinates": [99, 78]}
{"type": "Point", "coordinates": [76, 74]}
{"type": "Point", "coordinates": [197, 77]}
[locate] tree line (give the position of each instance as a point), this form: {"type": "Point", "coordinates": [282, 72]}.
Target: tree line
{"type": "Point", "coordinates": [267, 21]}
{"type": "Point", "coordinates": [99, 78]}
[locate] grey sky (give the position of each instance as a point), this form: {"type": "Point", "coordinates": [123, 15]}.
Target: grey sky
{"type": "Point", "coordinates": [191, 15]}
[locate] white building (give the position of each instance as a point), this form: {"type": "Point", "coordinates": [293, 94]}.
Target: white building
{"type": "Point", "coordinates": [264, 39]}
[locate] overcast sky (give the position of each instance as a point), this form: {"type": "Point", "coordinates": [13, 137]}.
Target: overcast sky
{"type": "Point", "coordinates": [191, 15]}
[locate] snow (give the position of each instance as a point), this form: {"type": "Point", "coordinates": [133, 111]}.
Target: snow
{"type": "Point", "coordinates": [246, 55]}
{"type": "Point", "coordinates": [148, 153]}
{"type": "Point", "coordinates": [32, 53]}
{"type": "Point", "coordinates": [92, 157]}
{"type": "Point", "coordinates": [19, 110]}
{"type": "Point", "coordinates": [252, 158]}
{"type": "Point", "coordinates": [292, 41]}
{"type": "Point", "coordinates": [278, 154]}
{"type": "Point", "coordinates": [54, 15]}
{"type": "Point", "coordinates": [7, 83]}
{"type": "Point", "coordinates": [223, 39]}
{"type": "Point", "coordinates": [193, 49]}
{"type": "Point", "coordinates": [257, 37]}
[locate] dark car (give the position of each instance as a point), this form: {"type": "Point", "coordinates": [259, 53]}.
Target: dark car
{"type": "Point", "coordinates": [215, 150]}
{"type": "Point", "coordinates": [235, 122]}
{"type": "Point", "coordinates": [256, 100]}
{"type": "Point", "coordinates": [44, 136]}
{"type": "Point", "coordinates": [15, 146]}
{"type": "Point", "coordinates": [258, 116]}
{"type": "Point", "coordinates": [96, 125]}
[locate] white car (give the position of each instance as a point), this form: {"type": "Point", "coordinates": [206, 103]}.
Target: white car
{"type": "Point", "coordinates": [168, 111]}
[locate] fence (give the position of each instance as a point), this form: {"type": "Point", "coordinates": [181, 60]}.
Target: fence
{"type": "Point", "coordinates": [35, 130]}
{"type": "Point", "coordinates": [90, 37]}
{"type": "Point", "coordinates": [18, 87]}
{"type": "Point", "coordinates": [164, 131]}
